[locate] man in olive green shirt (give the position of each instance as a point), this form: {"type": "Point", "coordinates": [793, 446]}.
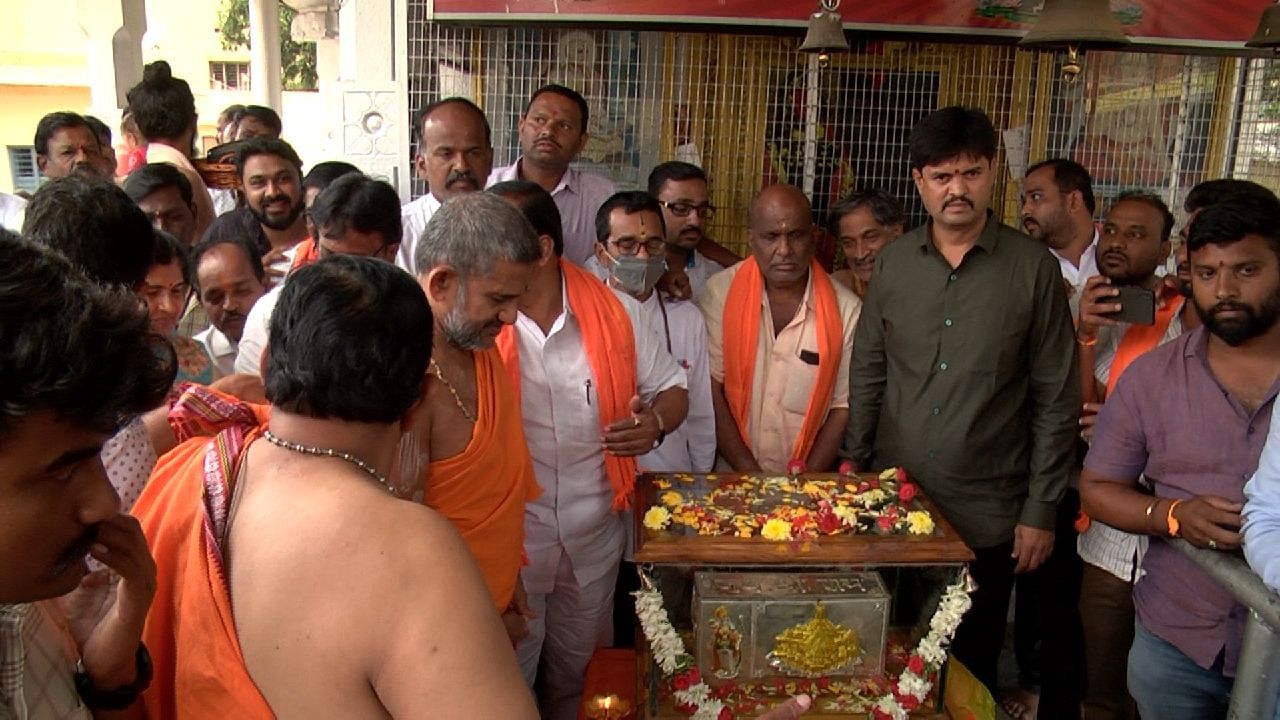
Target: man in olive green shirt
{"type": "Point", "coordinates": [963, 372]}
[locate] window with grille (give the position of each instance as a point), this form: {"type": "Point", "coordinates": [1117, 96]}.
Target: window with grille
{"type": "Point", "coordinates": [24, 171]}
{"type": "Point", "coordinates": [228, 75]}
{"type": "Point", "coordinates": [751, 110]}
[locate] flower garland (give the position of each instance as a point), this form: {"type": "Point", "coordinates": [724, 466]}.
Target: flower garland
{"type": "Point", "coordinates": [693, 695]}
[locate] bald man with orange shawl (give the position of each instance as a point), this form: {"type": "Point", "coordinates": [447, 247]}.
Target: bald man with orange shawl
{"type": "Point", "coordinates": [597, 388]}
{"type": "Point", "coordinates": [474, 261]}
{"type": "Point", "coordinates": [780, 334]}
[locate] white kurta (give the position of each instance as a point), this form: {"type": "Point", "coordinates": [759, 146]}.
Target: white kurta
{"type": "Point", "coordinates": [414, 217]}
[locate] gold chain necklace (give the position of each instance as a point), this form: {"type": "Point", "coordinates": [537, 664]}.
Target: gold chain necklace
{"type": "Point", "coordinates": [330, 452]}
{"type": "Point", "coordinates": [435, 368]}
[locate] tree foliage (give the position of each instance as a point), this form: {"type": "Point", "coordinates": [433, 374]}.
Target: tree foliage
{"type": "Point", "coordinates": [297, 59]}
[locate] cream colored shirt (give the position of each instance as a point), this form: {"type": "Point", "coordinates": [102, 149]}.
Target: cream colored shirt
{"type": "Point", "coordinates": [37, 665]}
{"type": "Point", "coordinates": [782, 382]}
{"type": "Point", "coordinates": [157, 153]}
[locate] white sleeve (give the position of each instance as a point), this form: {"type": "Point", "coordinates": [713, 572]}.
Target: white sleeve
{"type": "Point", "coordinates": [656, 370]}
{"type": "Point", "coordinates": [700, 425]}
{"type": "Point", "coordinates": [256, 331]}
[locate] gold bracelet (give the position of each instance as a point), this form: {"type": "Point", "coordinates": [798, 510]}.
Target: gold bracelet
{"type": "Point", "coordinates": [1086, 343]}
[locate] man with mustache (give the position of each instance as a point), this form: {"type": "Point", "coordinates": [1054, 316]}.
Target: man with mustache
{"type": "Point", "coordinates": [477, 255]}
{"type": "Point", "coordinates": [356, 215]}
{"type": "Point", "coordinates": [553, 130]}
{"type": "Point", "coordinates": [596, 390]}
{"type": "Point", "coordinates": [779, 337]}
{"type": "Point", "coordinates": [229, 279]}
{"type": "Point", "coordinates": [56, 503]}
{"type": "Point", "coordinates": [66, 144]}
{"type": "Point", "coordinates": [681, 189]}
{"type": "Point", "coordinates": [271, 180]}
{"type": "Point", "coordinates": [964, 372]}
{"type": "Point", "coordinates": [1057, 209]}
{"type": "Point", "coordinates": [1191, 416]}
{"type": "Point", "coordinates": [455, 156]}
{"type": "Point", "coordinates": [1134, 242]}
{"type": "Point", "coordinates": [863, 222]}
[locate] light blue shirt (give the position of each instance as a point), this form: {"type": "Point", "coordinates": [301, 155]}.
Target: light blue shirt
{"type": "Point", "coordinates": [1262, 510]}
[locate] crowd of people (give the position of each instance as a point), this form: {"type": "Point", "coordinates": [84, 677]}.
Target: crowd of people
{"type": "Point", "coordinates": [454, 398]}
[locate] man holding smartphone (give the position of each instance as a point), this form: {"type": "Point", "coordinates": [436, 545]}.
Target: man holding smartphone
{"type": "Point", "coordinates": [1112, 330]}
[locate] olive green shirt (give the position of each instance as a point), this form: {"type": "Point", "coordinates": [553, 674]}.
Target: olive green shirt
{"type": "Point", "coordinates": [967, 378]}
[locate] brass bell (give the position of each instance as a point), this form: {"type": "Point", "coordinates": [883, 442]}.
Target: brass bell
{"type": "Point", "coordinates": [1075, 24]}
{"type": "Point", "coordinates": [826, 32]}
{"type": "Point", "coordinates": [1268, 33]}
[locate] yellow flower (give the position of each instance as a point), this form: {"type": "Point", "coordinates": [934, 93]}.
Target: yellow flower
{"type": "Point", "coordinates": [657, 518]}
{"type": "Point", "coordinates": [776, 529]}
{"type": "Point", "coordinates": [662, 483]}
{"type": "Point", "coordinates": [671, 498]}
{"type": "Point", "coordinates": [919, 522]}
{"type": "Point", "coordinates": [847, 515]}
{"type": "Point", "coordinates": [889, 474]}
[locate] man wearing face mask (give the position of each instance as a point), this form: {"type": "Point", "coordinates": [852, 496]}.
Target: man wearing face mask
{"type": "Point", "coordinates": [780, 358]}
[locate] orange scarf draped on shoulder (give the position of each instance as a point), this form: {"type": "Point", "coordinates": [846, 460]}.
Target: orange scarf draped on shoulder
{"type": "Point", "coordinates": [1138, 339]}
{"type": "Point", "coordinates": [611, 352]}
{"type": "Point", "coordinates": [305, 253]}
{"type": "Point", "coordinates": [742, 320]}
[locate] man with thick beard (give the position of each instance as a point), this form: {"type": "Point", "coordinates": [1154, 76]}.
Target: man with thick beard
{"type": "Point", "coordinates": [1192, 416]}
{"type": "Point", "coordinates": [476, 258]}
{"type": "Point", "coordinates": [271, 179]}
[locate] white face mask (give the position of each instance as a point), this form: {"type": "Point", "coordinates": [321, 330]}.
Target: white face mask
{"type": "Point", "coordinates": [637, 275]}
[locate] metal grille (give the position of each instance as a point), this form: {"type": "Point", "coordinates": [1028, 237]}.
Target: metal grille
{"type": "Point", "coordinates": [751, 110]}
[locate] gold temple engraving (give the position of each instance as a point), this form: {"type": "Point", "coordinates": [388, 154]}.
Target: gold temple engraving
{"type": "Point", "coordinates": [816, 647]}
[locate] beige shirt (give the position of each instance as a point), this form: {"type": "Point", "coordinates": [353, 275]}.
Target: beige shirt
{"type": "Point", "coordinates": [157, 153]}
{"type": "Point", "coordinates": [783, 382]}
{"type": "Point", "coordinates": [37, 665]}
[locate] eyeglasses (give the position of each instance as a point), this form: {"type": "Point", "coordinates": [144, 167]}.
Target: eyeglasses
{"type": "Point", "coordinates": [682, 209]}
{"type": "Point", "coordinates": [627, 246]}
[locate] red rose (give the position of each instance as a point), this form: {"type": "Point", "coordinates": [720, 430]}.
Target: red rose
{"type": "Point", "coordinates": [901, 475]}
{"type": "Point", "coordinates": [681, 681]}
{"type": "Point", "coordinates": [695, 677]}
{"type": "Point", "coordinates": [828, 522]}
{"type": "Point", "coordinates": [886, 524]}
{"type": "Point", "coordinates": [916, 664]}
{"type": "Point", "coordinates": [907, 491]}
{"type": "Point", "coordinates": [824, 682]}
{"type": "Point", "coordinates": [908, 702]}
{"type": "Point", "coordinates": [864, 486]}
{"type": "Point", "coordinates": [725, 714]}
{"type": "Point", "coordinates": [879, 714]}
{"type": "Point", "coordinates": [795, 467]}
{"type": "Point", "coordinates": [846, 468]}
{"type": "Point", "coordinates": [874, 483]}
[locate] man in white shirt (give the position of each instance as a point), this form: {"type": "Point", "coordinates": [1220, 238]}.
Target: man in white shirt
{"type": "Point", "coordinates": [1057, 209]}
{"type": "Point", "coordinates": [553, 130]}
{"type": "Point", "coordinates": [597, 390]}
{"type": "Point", "coordinates": [455, 155]}
{"type": "Point", "coordinates": [229, 281]}
{"type": "Point", "coordinates": [356, 215]}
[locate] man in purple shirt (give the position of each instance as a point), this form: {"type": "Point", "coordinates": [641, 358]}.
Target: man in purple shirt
{"type": "Point", "coordinates": [1192, 416]}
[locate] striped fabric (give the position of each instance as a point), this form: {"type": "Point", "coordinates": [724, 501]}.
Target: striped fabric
{"type": "Point", "coordinates": [37, 665]}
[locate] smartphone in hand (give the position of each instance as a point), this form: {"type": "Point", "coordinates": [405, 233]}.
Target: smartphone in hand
{"type": "Point", "coordinates": [1137, 305]}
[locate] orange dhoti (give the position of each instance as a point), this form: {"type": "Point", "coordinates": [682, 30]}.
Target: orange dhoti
{"type": "Point", "coordinates": [482, 490]}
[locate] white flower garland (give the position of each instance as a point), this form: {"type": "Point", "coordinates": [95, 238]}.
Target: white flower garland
{"type": "Point", "coordinates": [669, 652]}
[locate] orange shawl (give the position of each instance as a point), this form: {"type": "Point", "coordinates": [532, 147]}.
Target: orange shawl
{"type": "Point", "coordinates": [742, 321]}
{"type": "Point", "coordinates": [190, 630]}
{"type": "Point", "coordinates": [482, 490]}
{"type": "Point", "coordinates": [1138, 339]}
{"type": "Point", "coordinates": [305, 253]}
{"type": "Point", "coordinates": [611, 352]}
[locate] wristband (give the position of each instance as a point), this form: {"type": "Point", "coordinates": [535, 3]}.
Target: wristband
{"type": "Point", "coordinates": [1171, 521]}
{"type": "Point", "coordinates": [119, 698]}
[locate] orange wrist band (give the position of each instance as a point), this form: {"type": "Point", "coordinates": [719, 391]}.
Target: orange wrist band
{"type": "Point", "coordinates": [1172, 521]}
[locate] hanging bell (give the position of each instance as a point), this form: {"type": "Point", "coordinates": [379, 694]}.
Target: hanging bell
{"type": "Point", "coordinates": [1268, 33]}
{"type": "Point", "coordinates": [826, 32]}
{"type": "Point", "coordinates": [1083, 23]}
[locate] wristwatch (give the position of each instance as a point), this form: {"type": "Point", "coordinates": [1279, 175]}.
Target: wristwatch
{"type": "Point", "coordinates": [662, 428]}
{"type": "Point", "coordinates": [119, 698]}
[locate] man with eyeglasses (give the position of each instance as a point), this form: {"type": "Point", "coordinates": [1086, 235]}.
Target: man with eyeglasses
{"type": "Point", "coordinates": [356, 215]}
{"type": "Point", "coordinates": [681, 191]}
{"type": "Point", "coordinates": [780, 359]}
{"type": "Point", "coordinates": [553, 130]}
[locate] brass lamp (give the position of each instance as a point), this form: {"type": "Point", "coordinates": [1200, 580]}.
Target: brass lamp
{"type": "Point", "coordinates": [1075, 24]}
{"type": "Point", "coordinates": [826, 32]}
{"type": "Point", "coordinates": [1268, 33]}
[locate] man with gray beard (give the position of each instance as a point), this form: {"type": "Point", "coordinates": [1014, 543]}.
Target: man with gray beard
{"type": "Point", "coordinates": [474, 262]}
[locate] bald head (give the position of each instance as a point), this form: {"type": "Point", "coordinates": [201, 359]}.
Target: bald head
{"type": "Point", "coordinates": [455, 154]}
{"type": "Point", "coordinates": [782, 235]}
